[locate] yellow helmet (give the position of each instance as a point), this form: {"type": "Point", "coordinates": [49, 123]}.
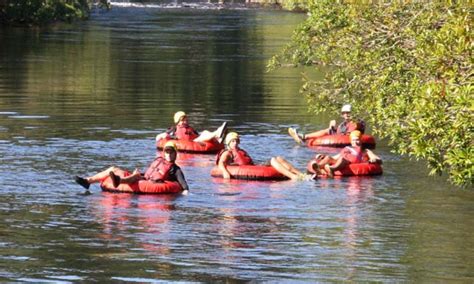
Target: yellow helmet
{"type": "Point", "coordinates": [170, 144]}
{"type": "Point", "coordinates": [231, 136]}
{"type": "Point", "coordinates": [178, 116]}
{"type": "Point", "coordinates": [356, 133]}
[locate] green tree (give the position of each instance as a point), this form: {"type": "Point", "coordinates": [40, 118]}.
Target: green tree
{"type": "Point", "coordinates": [405, 66]}
{"type": "Point", "coordinates": [40, 12]}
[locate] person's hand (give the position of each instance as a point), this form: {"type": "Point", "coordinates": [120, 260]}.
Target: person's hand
{"type": "Point", "coordinates": [226, 175]}
{"type": "Point", "coordinates": [136, 171]}
{"type": "Point", "coordinates": [319, 157]}
{"type": "Point", "coordinates": [374, 160]}
{"type": "Point", "coordinates": [329, 171]}
{"type": "Point", "coordinates": [332, 124]}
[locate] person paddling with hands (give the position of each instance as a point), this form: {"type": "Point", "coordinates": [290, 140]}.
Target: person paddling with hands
{"type": "Point", "coordinates": [163, 168]}
{"type": "Point", "coordinates": [346, 127]}
{"type": "Point", "coordinates": [183, 131]}
{"type": "Point", "coordinates": [353, 154]}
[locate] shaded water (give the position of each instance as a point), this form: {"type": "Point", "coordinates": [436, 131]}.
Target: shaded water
{"type": "Point", "coordinates": [77, 98]}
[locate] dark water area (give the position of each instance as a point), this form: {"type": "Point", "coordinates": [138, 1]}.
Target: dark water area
{"type": "Point", "coordinates": [77, 98]}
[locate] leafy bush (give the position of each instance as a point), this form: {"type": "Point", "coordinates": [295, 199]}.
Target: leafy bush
{"type": "Point", "coordinates": [43, 11]}
{"type": "Point", "coordinates": [406, 66]}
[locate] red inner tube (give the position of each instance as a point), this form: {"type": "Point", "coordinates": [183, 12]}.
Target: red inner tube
{"type": "Point", "coordinates": [188, 146]}
{"type": "Point", "coordinates": [359, 169]}
{"type": "Point", "coordinates": [142, 187]}
{"type": "Point", "coordinates": [340, 140]}
{"type": "Point", "coordinates": [250, 172]}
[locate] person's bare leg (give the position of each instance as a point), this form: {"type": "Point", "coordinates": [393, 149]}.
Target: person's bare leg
{"type": "Point", "coordinates": [118, 179]}
{"type": "Point", "coordinates": [316, 134]}
{"type": "Point", "coordinates": [131, 178]}
{"type": "Point", "coordinates": [105, 173]}
{"type": "Point", "coordinates": [287, 165]}
{"type": "Point", "coordinates": [86, 182]}
{"type": "Point", "coordinates": [208, 135]}
{"type": "Point", "coordinates": [321, 165]}
{"type": "Point", "coordinates": [283, 168]}
{"type": "Point", "coordinates": [205, 136]}
{"type": "Point", "coordinates": [339, 164]}
{"type": "Point", "coordinates": [316, 169]}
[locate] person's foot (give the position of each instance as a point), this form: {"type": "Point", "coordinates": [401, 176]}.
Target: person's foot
{"type": "Point", "coordinates": [82, 181]}
{"type": "Point", "coordinates": [295, 135]}
{"type": "Point", "coordinates": [316, 168]}
{"type": "Point", "coordinates": [221, 132]}
{"type": "Point", "coordinates": [306, 177]}
{"type": "Point", "coordinates": [115, 179]}
{"type": "Point", "coordinates": [328, 170]}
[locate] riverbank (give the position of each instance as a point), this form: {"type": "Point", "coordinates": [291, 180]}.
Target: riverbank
{"type": "Point", "coordinates": [43, 12]}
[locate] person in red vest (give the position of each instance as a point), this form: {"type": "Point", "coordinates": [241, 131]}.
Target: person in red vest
{"type": "Point", "coordinates": [346, 127]}
{"type": "Point", "coordinates": [233, 155]}
{"type": "Point", "coordinates": [355, 153]}
{"type": "Point", "coordinates": [183, 131]}
{"type": "Point", "coordinates": [161, 169]}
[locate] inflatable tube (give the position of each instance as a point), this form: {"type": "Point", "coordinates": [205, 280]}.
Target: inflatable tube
{"type": "Point", "coordinates": [250, 172]}
{"type": "Point", "coordinates": [340, 140]}
{"type": "Point", "coordinates": [142, 187]}
{"type": "Point", "coordinates": [360, 169]}
{"type": "Point", "coordinates": [208, 147]}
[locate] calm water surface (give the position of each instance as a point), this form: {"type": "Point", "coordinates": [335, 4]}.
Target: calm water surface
{"type": "Point", "coordinates": [77, 98]}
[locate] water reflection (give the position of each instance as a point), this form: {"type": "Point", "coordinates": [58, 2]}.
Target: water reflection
{"type": "Point", "coordinates": [144, 219]}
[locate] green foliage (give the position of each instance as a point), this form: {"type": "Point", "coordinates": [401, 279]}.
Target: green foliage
{"type": "Point", "coordinates": [43, 11]}
{"type": "Point", "coordinates": [405, 66]}
{"type": "Point", "coordinates": [295, 5]}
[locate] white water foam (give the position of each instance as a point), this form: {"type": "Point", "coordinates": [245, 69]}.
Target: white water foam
{"type": "Point", "coordinates": [183, 5]}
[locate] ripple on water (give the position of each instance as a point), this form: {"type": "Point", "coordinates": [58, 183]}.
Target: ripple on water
{"type": "Point", "coordinates": [29, 116]}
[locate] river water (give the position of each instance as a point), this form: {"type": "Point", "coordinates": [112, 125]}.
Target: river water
{"type": "Point", "coordinates": [76, 98]}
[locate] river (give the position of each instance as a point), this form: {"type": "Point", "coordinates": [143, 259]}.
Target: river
{"type": "Point", "coordinates": [76, 98]}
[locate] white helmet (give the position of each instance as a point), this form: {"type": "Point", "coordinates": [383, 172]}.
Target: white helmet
{"type": "Point", "coordinates": [346, 108]}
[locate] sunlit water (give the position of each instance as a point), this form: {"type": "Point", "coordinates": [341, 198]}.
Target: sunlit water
{"type": "Point", "coordinates": [77, 98]}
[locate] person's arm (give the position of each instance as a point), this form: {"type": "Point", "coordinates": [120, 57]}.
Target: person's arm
{"type": "Point", "coordinates": [170, 133]}
{"type": "Point", "coordinates": [337, 156]}
{"type": "Point", "coordinates": [180, 178]}
{"type": "Point", "coordinates": [195, 132]}
{"type": "Point", "coordinates": [332, 129]}
{"type": "Point", "coordinates": [222, 164]}
{"type": "Point", "coordinates": [373, 158]}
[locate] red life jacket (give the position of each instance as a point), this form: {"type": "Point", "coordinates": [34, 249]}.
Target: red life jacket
{"type": "Point", "coordinates": [237, 157]}
{"type": "Point", "coordinates": [158, 170]}
{"type": "Point", "coordinates": [354, 155]}
{"type": "Point", "coordinates": [185, 132]}
{"type": "Point", "coordinates": [347, 127]}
